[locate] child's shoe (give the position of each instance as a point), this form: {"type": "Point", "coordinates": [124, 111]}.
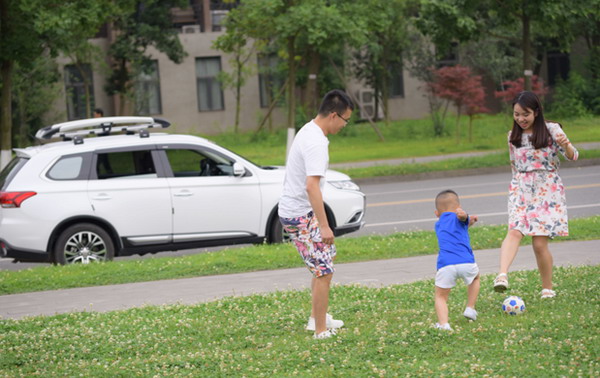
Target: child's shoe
{"type": "Point", "coordinates": [444, 327]}
{"type": "Point", "coordinates": [330, 322]}
{"type": "Point", "coordinates": [470, 313]}
{"type": "Point", "coordinates": [324, 335]}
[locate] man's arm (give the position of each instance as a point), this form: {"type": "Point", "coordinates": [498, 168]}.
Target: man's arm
{"type": "Point", "coordinates": [315, 197]}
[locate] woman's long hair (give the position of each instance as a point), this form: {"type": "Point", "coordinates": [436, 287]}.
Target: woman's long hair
{"type": "Point", "coordinates": [540, 137]}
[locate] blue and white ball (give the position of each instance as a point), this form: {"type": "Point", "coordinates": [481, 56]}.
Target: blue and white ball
{"type": "Point", "coordinates": [513, 305]}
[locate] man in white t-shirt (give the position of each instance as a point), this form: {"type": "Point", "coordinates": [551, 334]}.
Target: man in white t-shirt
{"type": "Point", "coordinates": [301, 209]}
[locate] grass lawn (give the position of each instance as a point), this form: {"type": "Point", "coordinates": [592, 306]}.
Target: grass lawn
{"type": "Point", "coordinates": [388, 332]}
{"type": "Point", "coordinates": [254, 258]}
{"type": "Point", "coordinates": [403, 139]}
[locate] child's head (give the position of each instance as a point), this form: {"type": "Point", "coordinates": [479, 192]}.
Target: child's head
{"type": "Point", "coordinates": [445, 201]}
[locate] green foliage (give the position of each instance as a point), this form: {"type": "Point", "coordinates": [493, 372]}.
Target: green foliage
{"type": "Point", "coordinates": [254, 258]}
{"type": "Point", "coordinates": [569, 100]}
{"type": "Point", "coordinates": [35, 86]}
{"type": "Point", "coordinates": [388, 332]}
{"type": "Point", "coordinates": [146, 24]}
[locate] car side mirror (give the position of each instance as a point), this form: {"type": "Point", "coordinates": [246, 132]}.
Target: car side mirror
{"type": "Point", "coordinates": [238, 169]}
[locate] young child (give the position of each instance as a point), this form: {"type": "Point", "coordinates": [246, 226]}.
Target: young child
{"type": "Point", "coordinates": [455, 259]}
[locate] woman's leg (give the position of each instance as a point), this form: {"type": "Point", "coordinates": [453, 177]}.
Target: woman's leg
{"type": "Point", "coordinates": [544, 260]}
{"type": "Point", "coordinates": [509, 249]}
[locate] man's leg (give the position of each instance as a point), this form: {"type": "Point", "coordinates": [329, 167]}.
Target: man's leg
{"type": "Point", "coordinates": [320, 301]}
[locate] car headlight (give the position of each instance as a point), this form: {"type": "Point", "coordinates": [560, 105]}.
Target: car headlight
{"type": "Point", "coordinates": [345, 185]}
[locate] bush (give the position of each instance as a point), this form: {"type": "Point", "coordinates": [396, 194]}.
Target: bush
{"type": "Point", "coordinates": [570, 98]}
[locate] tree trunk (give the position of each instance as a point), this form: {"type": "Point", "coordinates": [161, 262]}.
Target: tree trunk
{"type": "Point", "coordinates": [526, 49]}
{"type": "Point", "coordinates": [291, 121]}
{"type": "Point", "coordinates": [6, 116]}
{"type": "Point", "coordinates": [458, 125]}
{"type": "Point", "coordinates": [312, 90]}
{"type": "Point", "coordinates": [238, 92]}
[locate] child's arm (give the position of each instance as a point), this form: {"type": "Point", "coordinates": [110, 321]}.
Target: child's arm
{"type": "Point", "coordinates": [463, 216]}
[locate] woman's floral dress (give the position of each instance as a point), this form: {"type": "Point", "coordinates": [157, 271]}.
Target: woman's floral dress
{"type": "Point", "coordinates": [536, 201]}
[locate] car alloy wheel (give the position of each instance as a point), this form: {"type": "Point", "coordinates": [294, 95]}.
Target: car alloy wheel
{"type": "Point", "coordinates": [83, 243]}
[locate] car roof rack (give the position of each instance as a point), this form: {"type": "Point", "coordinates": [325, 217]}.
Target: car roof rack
{"type": "Point", "coordinates": [76, 130]}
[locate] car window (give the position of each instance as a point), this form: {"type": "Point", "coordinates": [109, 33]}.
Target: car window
{"type": "Point", "coordinates": [11, 170]}
{"type": "Point", "coordinates": [67, 168]}
{"type": "Point", "coordinates": [125, 164]}
{"type": "Point", "coordinates": [191, 163]}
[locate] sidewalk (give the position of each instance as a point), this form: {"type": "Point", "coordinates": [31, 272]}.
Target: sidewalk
{"type": "Point", "coordinates": [204, 289]}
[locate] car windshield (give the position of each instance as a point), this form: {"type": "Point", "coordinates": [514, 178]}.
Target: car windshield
{"type": "Point", "coordinates": [11, 170]}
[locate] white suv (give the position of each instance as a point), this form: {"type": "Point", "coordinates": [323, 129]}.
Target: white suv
{"type": "Point", "coordinates": [81, 200]}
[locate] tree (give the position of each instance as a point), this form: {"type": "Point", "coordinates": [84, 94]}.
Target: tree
{"type": "Point", "coordinates": [235, 42]}
{"type": "Point", "coordinates": [513, 87]}
{"type": "Point", "coordinates": [20, 44]}
{"type": "Point", "coordinates": [419, 60]}
{"type": "Point", "coordinates": [146, 24]}
{"type": "Point", "coordinates": [298, 29]}
{"type": "Point", "coordinates": [448, 21]}
{"type": "Point", "coordinates": [458, 85]}
{"type": "Point", "coordinates": [30, 27]}
{"type": "Point", "coordinates": [386, 39]}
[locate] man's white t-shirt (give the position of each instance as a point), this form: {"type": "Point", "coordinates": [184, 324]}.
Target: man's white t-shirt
{"type": "Point", "coordinates": [308, 156]}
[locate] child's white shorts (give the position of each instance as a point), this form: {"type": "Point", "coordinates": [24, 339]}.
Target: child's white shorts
{"type": "Point", "coordinates": [446, 277]}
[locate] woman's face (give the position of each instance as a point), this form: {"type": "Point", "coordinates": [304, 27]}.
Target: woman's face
{"type": "Point", "coordinates": [524, 118]}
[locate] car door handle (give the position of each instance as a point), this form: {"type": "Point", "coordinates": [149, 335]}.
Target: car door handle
{"type": "Point", "coordinates": [101, 197]}
{"type": "Point", "coordinates": [184, 193]}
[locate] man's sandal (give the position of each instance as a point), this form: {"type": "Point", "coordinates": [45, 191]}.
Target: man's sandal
{"type": "Point", "coordinates": [547, 293]}
{"type": "Point", "coordinates": [501, 283]}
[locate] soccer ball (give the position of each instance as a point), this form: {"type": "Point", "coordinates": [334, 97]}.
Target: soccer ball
{"type": "Point", "coordinates": [513, 305]}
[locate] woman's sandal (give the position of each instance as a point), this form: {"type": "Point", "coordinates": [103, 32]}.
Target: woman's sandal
{"type": "Point", "coordinates": [547, 293]}
{"type": "Point", "coordinates": [501, 283]}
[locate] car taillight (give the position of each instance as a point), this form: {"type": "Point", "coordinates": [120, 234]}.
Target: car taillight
{"type": "Point", "coordinates": [14, 199]}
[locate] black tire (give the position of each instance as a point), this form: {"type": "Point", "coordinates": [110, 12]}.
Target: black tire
{"type": "Point", "coordinates": [276, 232]}
{"type": "Point", "coordinates": [83, 243]}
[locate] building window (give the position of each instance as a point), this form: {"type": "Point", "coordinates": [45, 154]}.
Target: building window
{"type": "Point", "coordinates": [269, 81]}
{"type": "Point", "coordinates": [217, 17]}
{"type": "Point", "coordinates": [210, 95]}
{"type": "Point", "coordinates": [449, 57]}
{"type": "Point", "coordinates": [147, 92]}
{"type": "Point", "coordinates": [78, 93]}
{"type": "Point", "coordinates": [396, 80]}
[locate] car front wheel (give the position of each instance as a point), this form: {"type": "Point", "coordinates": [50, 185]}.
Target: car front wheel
{"type": "Point", "coordinates": [83, 243]}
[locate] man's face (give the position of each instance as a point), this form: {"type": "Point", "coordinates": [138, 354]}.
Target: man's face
{"type": "Point", "coordinates": [341, 120]}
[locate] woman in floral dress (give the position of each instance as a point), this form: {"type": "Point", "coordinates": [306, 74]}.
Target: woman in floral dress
{"type": "Point", "coordinates": [536, 200]}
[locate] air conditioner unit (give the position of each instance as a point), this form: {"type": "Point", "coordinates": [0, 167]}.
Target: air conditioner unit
{"type": "Point", "coordinates": [366, 98]}
{"type": "Point", "coordinates": [217, 17]}
{"type": "Point", "coordinates": [190, 29]}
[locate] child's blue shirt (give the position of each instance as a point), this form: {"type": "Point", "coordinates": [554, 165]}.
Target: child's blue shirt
{"type": "Point", "coordinates": [453, 241]}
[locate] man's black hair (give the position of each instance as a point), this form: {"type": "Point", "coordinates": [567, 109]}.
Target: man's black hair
{"type": "Point", "coordinates": [335, 101]}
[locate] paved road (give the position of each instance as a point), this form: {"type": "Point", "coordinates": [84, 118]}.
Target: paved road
{"type": "Point", "coordinates": [203, 289]}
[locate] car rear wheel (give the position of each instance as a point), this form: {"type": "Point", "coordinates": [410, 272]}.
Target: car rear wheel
{"type": "Point", "coordinates": [83, 243]}
{"type": "Point", "coordinates": [277, 234]}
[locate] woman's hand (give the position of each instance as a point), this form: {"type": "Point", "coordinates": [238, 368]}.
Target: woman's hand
{"type": "Point", "coordinates": [562, 141]}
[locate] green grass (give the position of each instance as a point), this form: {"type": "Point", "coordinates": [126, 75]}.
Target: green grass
{"type": "Point", "coordinates": [388, 332]}
{"type": "Point", "coordinates": [403, 139]}
{"type": "Point", "coordinates": [498, 159]}
{"type": "Point", "coordinates": [254, 258]}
